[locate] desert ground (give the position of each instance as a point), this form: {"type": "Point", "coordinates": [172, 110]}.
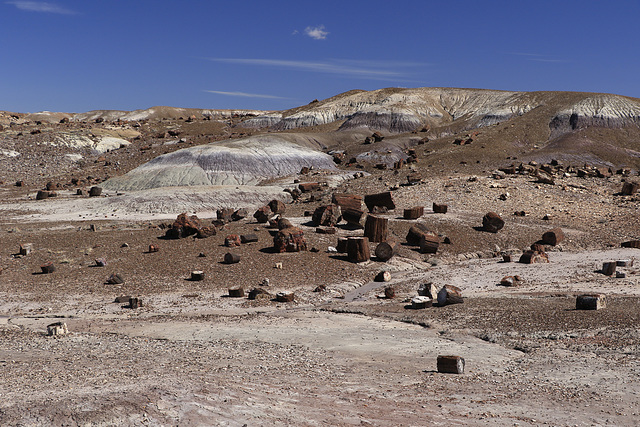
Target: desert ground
{"type": "Point", "coordinates": [341, 353]}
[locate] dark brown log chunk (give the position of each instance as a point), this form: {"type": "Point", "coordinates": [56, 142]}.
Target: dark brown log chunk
{"type": "Point", "coordinates": [417, 230]}
{"type": "Point", "coordinates": [440, 208]}
{"type": "Point", "coordinates": [230, 258]}
{"type": "Point", "coordinates": [355, 217]}
{"type": "Point", "coordinates": [380, 199]}
{"type": "Point", "coordinates": [376, 228]}
{"type": "Point", "coordinates": [240, 214]}
{"type": "Point", "coordinates": [533, 257]}
{"type": "Point", "coordinates": [450, 364]}
{"type": "Point", "coordinates": [25, 249]}
{"type": "Point", "coordinates": [421, 302]}
{"type": "Point", "coordinates": [492, 222]}
{"type": "Point", "coordinates": [386, 250]}
{"type": "Point", "coordinates": [590, 302]}
{"type": "Point", "coordinates": [307, 187]}
{"type": "Point", "coordinates": [197, 275]}
{"type": "Point", "coordinates": [95, 191]}
{"type": "Point", "coordinates": [609, 268]}
{"type": "Point", "coordinates": [327, 215]}
{"type": "Point", "coordinates": [286, 296]}
{"type": "Point", "coordinates": [290, 240]}
{"type": "Point", "coordinates": [429, 243]}
{"type": "Point", "coordinates": [389, 292]}
{"type": "Point", "coordinates": [42, 194]}
{"type": "Point", "coordinates": [553, 237]}
{"type": "Point", "coordinates": [537, 247]}
{"type": "Point", "coordinates": [629, 188]}
{"type": "Point", "coordinates": [341, 246]}
{"type": "Point", "coordinates": [413, 213]}
{"type": "Point", "coordinates": [358, 249]}
{"type": "Point", "coordinates": [48, 268]}
{"type": "Point", "coordinates": [277, 207]}
{"type": "Point", "coordinates": [115, 279]}
{"type": "Point", "coordinates": [248, 238]}
{"type": "Point", "coordinates": [449, 294]}
{"type": "Point", "coordinates": [347, 201]}
{"type": "Point", "coordinates": [631, 244]}
{"type": "Point", "coordinates": [258, 293]}
{"type": "Point", "coordinates": [135, 302]}
{"type": "Point", "coordinates": [224, 214]}
{"type": "Point", "coordinates": [237, 292]}
{"type": "Point", "coordinates": [327, 230]}
{"type": "Point", "coordinates": [284, 223]}
{"type": "Point", "coordinates": [153, 248]}
{"type": "Point", "coordinates": [263, 215]}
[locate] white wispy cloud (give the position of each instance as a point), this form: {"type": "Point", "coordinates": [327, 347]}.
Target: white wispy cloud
{"type": "Point", "coordinates": [351, 68]}
{"type": "Point", "coordinates": [537, 57]}
{"type": "Point", "coordinates": [39, 6]}
{"type": "Point", "coordinates": [316, 33]}
{"type": "Point", "coordinates": [244, 94]}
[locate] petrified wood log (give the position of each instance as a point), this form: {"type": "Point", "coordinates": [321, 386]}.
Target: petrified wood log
{"type": "Point", "coordinates": [385, 250]}
{"type": "Point", "coordinates": [631, 244]}
{"type": "Point", "coordinates": [413, 213]}
{"type": "Point", "coordinates": [590, 302]}
{"type": "Point", "coordinates": [197, 275]}
{"type": "Point", "coordinates": [135, 302]}
{"type": "Point", "coordinates": [417, 230]}
{"type": "Point", "coordinates": [47, 268]}
{"type": "Point", "coordinates": [553, 237]}
{"type": "Point", "coordinates": [25, 249]}
{"type": "Point", "coordinates": [277, 206]}
{"type": "Point", "coordinates": [258, 293]}
{"type": "Point", "coordinates": [383, 276]}
{"type": "Point", "coordinates": [533, 257]}
{"type": "Point", "coordinates": [389, 292]}
{"type": "Point", "coordinates": [286, 296]}
{"type": "Point", "coordinates": [341, 246]}
{"type": "Point", "coordinates": [236, 292]}
{"type": "Point", "coordinates": [440, 208]}
{"type": "Point", "coordinates": [358, 249]}
{"type": "Point", "coordinates": [224, 214]}
{"type": "Point", "coordinates": [420, 302]}
{"type": "Point", "coordinates": [263, 215]}
{"type": "Point", "coordinates": [429, 243]}
{"type": "Point", "coordinates": [308, 187]}
{"type": "Point", "coordinates": [232, 240]}
{"type": "Point", "coordinates": [249, 238]}
{"type": "Point", "coordinates": [327, 215]}
{"type": "Point", "coordinates": [95, 191]}
{"type": "Point", "coordinates": [449, 294]}
{"type": "Point", "coordinates": [450, 364]}
{"type": "Point", "coordinates": [609, 268]}
{"type": "Point", "coordinates": [375, 228]}
{"type": "Point", "coordinates": [380, 199]}
{"type": "Point", "coordinates": [230, 258]}
{"type": "Point", "coordinates": [355, 217]}
{"type": "Point", "coordinates": [290, 240]}
{"type": "Point", "coordinates": [347, 201]}
{"type": "Point", "coordinates": [629, 188]}
{"type": "Point", "coordinates": [284, 223]}
{"type": "Point", "coordinates": [492, 222]}
{"type": "Point", "coordinates": [57, 329]}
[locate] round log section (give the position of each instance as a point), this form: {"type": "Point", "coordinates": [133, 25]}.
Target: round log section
{"type": "Point", "coordinates": [236, 292]}
{"type": "Point", "coordinates": [417, 230]}
{"type": "Point", "coordinates": [347, 201]}
{"type": "Point", "coordinates": [492, 222]}
{"type": "Point", "coordinates": [358, 249]}
{"type": "Point", "coordinates": [437, 208]}
{"type": "Point", "coordinates": [385, 250]}
{"type": "Point", "coordinates": [355, 217]}
{"type": "Point", "coordinates": [429, 243]}
{"type": "Point", "coordinates": [553, 237]}
{"type": "Point", "coordinates": [450, 364]}
{"type": "Point", "coordinates": [384, 200]}
{"type": "Point", "coordinates": [230, 258]}
{"type": "Point", "coordinates": [375, 228]}
{"type": "Point", "coordinates": [449, 294]}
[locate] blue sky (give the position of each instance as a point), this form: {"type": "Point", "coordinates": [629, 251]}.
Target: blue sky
{"type": "Point", "coordinates": [81, 55]}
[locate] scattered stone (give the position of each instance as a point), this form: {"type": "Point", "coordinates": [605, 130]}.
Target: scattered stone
{"type": "Point", "coordinates": [26, 249]}
{"type": "Point", "coordinates": [624, 263]}
{"type": "Point", "coordinates": [389, 292]}
{"type": "Point", "coordinates": [537, 247]}
{"type": "Point", "coordinates": [278, 265]}
{"type": "Point", "coordinates": [507, 258]}
{"type": "Point", "coordinates": [533, 257]}
{"type": "Point", "coordinates": [591, 302]}
{"type": "Point", "coordinates": [57, 329]}
{"type": "Point", "coordinates": [326, 230]}
{"type": "Point", "coordinates": [421, 302]}
{"type": "Point", "coordinates": [510, 281]}
{"type": "Point", "coordinates": [449, 294]}
{"type": "Point", "coordinates": [621, 275]}
{"type": "Point", "coordinates": [265, 282]}
{"type": "Point", "coordinates": [320, 288]}
{"type": "Point", "coordinates": [450, 364]}
{"type": "Point", "coordinates": [258, 293]}
{"type": "Point", "coordinates": [277, 207]}
{"type": "Point", "coordinates": [43, 194]}
{"type": "Point", "coordinates": [428, 290]}
{"type": "Point", "coordinates": [122, 299]}
{"type": "Point", "coordinates": [124, 245]}
{"type": "Point", "coordinates": [232, 240]}
{"type": "Point", "coordinates": [263, 215]}
{"type": "Point", "coordinates": [240, 214]}
{"type": "Point", "coordinates": [101, 262]}
{"type": "Point", "coordinates": [95, 191]}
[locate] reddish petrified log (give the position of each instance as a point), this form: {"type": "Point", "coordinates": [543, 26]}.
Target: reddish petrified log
{"type": "Point", "coordinates": [413, 213]}
{"type": "Point", "coordinates": [376, 228]}
{"type": "Point", "coordinates": [380, 199]}
{"type": "Point", "coordinates": [492, 222]}
{"type": "Point", "coordinates": [290, 240]}
{"type": "Point", "coordinates": [327, 215]}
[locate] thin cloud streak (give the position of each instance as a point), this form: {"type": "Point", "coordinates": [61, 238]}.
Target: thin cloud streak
{"type": "Point", "coordinates": [245, 95]}
{"type": "Point", "coordinates": [320, 67]}
{"type": "Point", "coordinates": [37, 6]}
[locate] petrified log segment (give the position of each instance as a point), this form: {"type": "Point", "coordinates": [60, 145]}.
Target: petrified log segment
{"type": "Point", "coordinates": [263, 215]}
{"type": "Point", "coordinates": [341, 246]}
{"type": "Point", "coordinates": [355, 217]}
{"type": "Point", "coordinates": [413, 213]}
{"type": "Point", "coordinates": [224, 214]}
{"type": "Point", "coordinates": [284, 223]}
{"type": "Point", "coordinates": [631, 244]}
{"type": "Point", "coordinates": [236, 292]}
{"type": "Point", "coordinates": [428, 290]}
{"type": "Point", "coordinates": [450, 364]}
{"type": "Point", "coordinates": [492, 222]}
{"type": "Point", "coordinates": [375, 228]}
{"type": "Point", "coordinates": [327, 215]}
{"type": "Point", "coordinates": [135, 302]}
{"type": "Point", "coordinates": [417, 230]}
{"type": "Point", "coordinates": [153, 248]}
{"type": "Point", "coordinates": [290, 240]}
{"type": "Point", "coordinates": [240, 214]}
{"type": "Point", "coordinates": [537, 247]}
{"type": "Point", "coordinates": [47, 268]}
{"type": "Point", "coordinates": [188, 225]}
{"type": "Point", "coordinates": [95, 191]}
{"type": "Point", "coordinates": [533, 257]}
{"type": "Point", "coordinates": [249, 238]}
{"type": "Point", "coordinates": [440, 208]}
{"type": "Point", "coordinates": [232, 240]}
{"type": "Point", "coordinates": [383, 276]}
{"type": "Point", "coordinates": [420, 302]}
{"type": "Point", "coordinates": [308, 187]}
{"type": "Point", "coordinates": [553, 237]}
{"type": "Point", "coordinates": [389, 292]}
{"type": "Point", "coordinates": [277, 207]}
{"type": "Point", "coordinates": [286, 296]}
{"type": "Point", "coordinates": [197, 275]}
{"type": "Point", "coordinates": [258, 293]}
{"type": "Point", "coordinates": [115, 279]}
{"type": "Point", "coordinates": [590, 302]}
{"type": "Point", "coordinates": [429, 243]}
{"type": "Point", "coordinates": [449, 294]}
{"type": "Point", "coordinates": [101, 262]}
{"type": "Point", "coordinates": [42, 194]}
{"type": "Point", "coordinates": [230, 258]}
{"type": "Point", "coordinates": [381, 200]}
{"type": "Point", "coordinates": [57, 329]}
{"type": "Point", "coordinates": [609, 268]}
{"type": "Point", "coordinates": [629, 188]}
{"type": "Point", "coordinates": [25, 249]}
{"type": "Point", "coordinates": [347, 201]}
{"type": "Point", "coordinates": [358, 249]}
{"type": "Point", "coordinates": [385, 250]}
